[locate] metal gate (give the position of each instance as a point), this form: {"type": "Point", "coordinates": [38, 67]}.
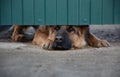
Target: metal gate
{"type": "Point", "coordinates": [59, 12]}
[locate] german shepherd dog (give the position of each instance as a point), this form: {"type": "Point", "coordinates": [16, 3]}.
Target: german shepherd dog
{"type": "Point", "coordinates": [59, 37]}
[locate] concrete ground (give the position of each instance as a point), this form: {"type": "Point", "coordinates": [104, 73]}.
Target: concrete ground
{"type": "Point", "coordinates": [24, 60]}
{"type": "Point", "coordinates": [27, 60]}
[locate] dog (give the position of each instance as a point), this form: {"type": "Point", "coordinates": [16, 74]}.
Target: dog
{"type": "Point", "coordinates": [59, 37]}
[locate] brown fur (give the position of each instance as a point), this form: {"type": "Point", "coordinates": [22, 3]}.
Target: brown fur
{"type": "Point", "coordinates": [45, 35]}
{"type": "Point", "coordinates": [17, 34]}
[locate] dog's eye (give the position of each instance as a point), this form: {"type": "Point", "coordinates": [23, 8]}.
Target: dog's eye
{"type": "Point", "coordinates": [70, 29]}
{"type": "Point", "coordinates": [57, 28]}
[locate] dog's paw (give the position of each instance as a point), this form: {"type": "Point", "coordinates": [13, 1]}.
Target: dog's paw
{"type": "Point", "coordinates": [19, 38]}
{"type": "Point", "coordinates": [102, 43]}
{"type": "Point", "coordinates": [48, 44]}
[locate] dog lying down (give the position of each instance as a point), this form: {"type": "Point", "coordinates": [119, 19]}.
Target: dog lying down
{"type": "Point", "coordinates": [58, 37]}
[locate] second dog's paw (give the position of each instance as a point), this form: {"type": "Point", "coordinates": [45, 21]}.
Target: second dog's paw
{"type": "Point", "coordinates": [19, 38]}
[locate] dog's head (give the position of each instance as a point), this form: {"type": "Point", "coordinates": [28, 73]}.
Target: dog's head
{"type": "Point", "coordinates": [67, 37]}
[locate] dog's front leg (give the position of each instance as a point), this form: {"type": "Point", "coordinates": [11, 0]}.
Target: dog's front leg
{"type": "Point", "coordinates": [44, 37]}
{"type": "Point", "coordinates": [49, 41]}
{"type": "Point", "coordinates": [96, 42]}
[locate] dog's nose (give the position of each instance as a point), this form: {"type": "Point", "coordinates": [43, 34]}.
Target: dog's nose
{"type": "Point", "coordinates": [58, 38]}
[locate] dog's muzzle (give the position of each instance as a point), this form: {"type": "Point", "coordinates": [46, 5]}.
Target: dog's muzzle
{"type": "Point", "coordinates": [61, 41]}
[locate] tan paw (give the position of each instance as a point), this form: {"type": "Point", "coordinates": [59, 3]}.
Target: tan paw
{"type": "Point", "coordinates": [19, 38]}
{"type": "Point", "coordinates": [102, 43]}
{"type": "Point", "coordinates": [48, 44]}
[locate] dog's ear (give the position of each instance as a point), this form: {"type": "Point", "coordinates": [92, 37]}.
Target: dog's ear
{"type": "Point", "coordinates": [84, 28]}
{"type": "Point", "coordinates": [46, 29]}
{"type": "Point", "coordinates": [43, 28]}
